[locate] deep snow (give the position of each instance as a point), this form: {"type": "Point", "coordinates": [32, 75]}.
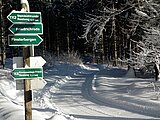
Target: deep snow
{"type": "Point", "coordinates": [93, 92]}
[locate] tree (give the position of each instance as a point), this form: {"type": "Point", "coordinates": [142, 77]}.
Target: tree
{"type": "Point", "coordinates": [147, 49]}
{"type": "Point", "coordinates": [119, 22]}
{"type": "Point", "coordinates": [104, 25]}
{"type": "Point", "coordinates": [61, 23]}
{"type": "Point", "coordinates": [5, 6]}
{"type": "Point", "coordinates": [110, 27]}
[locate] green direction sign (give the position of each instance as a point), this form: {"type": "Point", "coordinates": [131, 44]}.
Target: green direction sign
{"type": "Point", "coordinates": [27, 17]}
{"type": "Point", "coordinates": [27, 73]}
{"type": "Point", "coordinates": [24, 40]}
{"type": "Point", "coordinates": [26, 28]}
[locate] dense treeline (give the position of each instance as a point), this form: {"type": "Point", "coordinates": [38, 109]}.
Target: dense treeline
{"type": "Point", "coordinates": [105, 29]}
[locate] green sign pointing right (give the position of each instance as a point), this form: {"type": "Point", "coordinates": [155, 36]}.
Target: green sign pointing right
{"type": "Point", "coordinates": [24, 40]}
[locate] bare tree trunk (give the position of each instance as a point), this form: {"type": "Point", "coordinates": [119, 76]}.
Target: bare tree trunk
{"type": "Point", "coordinates": [57, 46]}
{"type": "Point", "coordinates": [2, 39]}
{"type": "Point", "coordinates": [114, 38]}
{"type": "Point", "coordinates": [94, 55]}
{"type": "Point", "coordinates": [68, 41]}
{"type": "Point", "coordinates": [102, 45]}
{"type": "Point", "coordinates": [48, 27]}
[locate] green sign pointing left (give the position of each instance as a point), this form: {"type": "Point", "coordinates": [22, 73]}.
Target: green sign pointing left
{"type": "Point", "coordinates": [27, 73]}
{"type": "Point", "coordinates": [26, 28]}
{"type": "Point", "coordinates": [27, 17]}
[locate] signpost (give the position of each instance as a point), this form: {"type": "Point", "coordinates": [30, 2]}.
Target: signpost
{"type": "Point", "coordinates": [27, 73]}
{"type": "Point", "coordinates": [27, 28]}
{"type": "Point", "coordinates": [25, 17]}
{"type": "Point", "coordinates": [24, 40]}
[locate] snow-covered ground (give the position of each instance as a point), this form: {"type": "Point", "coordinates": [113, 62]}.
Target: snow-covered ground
{"type": "Point", "coordinates": [78, 92]}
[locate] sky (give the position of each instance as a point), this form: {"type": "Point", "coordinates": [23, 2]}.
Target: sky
{"type": "Point", "coordinates": [82, 92]}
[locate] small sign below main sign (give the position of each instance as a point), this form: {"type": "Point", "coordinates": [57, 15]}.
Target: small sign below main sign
{"type": "Point", "coordinates": [36, 84]}
{"type": "Point", "coordinates": [27, 17]}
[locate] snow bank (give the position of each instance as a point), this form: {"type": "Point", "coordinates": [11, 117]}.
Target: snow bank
{"type": "Point", "coordinates": [130, 73]}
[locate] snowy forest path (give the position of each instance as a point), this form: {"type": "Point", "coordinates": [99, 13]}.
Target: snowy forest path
{"type": "Point", "coordinates": [77, 98]}
{"type": "Point", "coordinates": [69, 99]}
{"type": "Point", "coordinates": [119, 92]}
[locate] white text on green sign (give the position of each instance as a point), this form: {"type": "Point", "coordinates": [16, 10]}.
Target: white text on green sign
{"type": "Point", "coordinates": [26, 28]}
{"type": "Point", "coordinates": [27, 17]}
{"type": "Point", "coordinates": [24, 40]}
{"type": "Point", "coordinates": [27, 73]}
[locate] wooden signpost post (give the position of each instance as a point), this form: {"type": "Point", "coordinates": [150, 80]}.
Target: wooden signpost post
{"type": "Point", "coordinates": [26, 27]}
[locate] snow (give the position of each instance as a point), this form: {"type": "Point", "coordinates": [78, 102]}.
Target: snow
{"type": "Point", "coordinates": [130, 73]}
{"type": "Point", "coordinates": [83, 92]}
{"type": "Point", "coordinates": [141, 13]}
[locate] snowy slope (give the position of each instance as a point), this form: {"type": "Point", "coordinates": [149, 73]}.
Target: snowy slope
{"type": "Point", "coordinates": [74, 92]}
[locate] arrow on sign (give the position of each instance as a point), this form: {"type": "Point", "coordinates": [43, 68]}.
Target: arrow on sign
{"type": "Point", "coordinates": [38, 84]}
{"type": "Point", "coordinates": [24, 40]}
{"type": "Point", "coordinates": [37, 61]}
{"type": "Point", "coordinates": [26, 28]}
{"type": "Point", "coordinates": [27, 17]}
{"type": "Point", "coordinates": [27, 73]}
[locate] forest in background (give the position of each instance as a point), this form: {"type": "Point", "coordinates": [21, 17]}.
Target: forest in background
{"type": "Point", "coordinates": [102, 31]}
